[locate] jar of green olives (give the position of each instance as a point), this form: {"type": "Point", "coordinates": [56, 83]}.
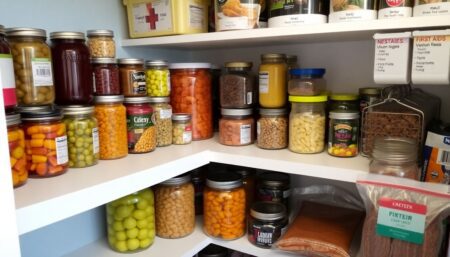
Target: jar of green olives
{"type": "Point", "coordinates": [131, 222]}
{"type": "Point", "coordinates": [157, 78]}
{"type": "Point", "coordinates": [82, 135]}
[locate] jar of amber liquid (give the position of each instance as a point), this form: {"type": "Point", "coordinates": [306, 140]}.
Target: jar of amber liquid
{"type": "Point", "coordinates": [132, 77]}
{"type": "Point", "coordinates": [272, 81]}
{"type": "Point", "coordinates": [17, 153]}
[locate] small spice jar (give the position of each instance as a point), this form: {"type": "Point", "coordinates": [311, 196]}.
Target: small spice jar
{"type": "Point", "coordinates": [266, 223]}
{"type": "Point", "coordinates": [101, 43]}
{"type": "Point", "coordinates": [346, 102]}
{"type": "Point", "coordinates": [132, 77]}
{"type": "Point", "coordinates": [224, 206]}
{"type": "Point", "coordinates": [141, 129]}
{"type": "Point", "coordinates": [272, 81]}
{"type": "Point", "coordinates": [272, 129]}
{"type": "Point", "coordinates": [236, 86]}
{"type": "Point", "coordinates": [236, 127]}
{"type": "Point", "coordinates": [112, 126]}
{"type": "Point", "coordinates": [306, 82]}
{"type": "Point", "coordinates": [368, 96]}
{"type": "Point", "coordinates": [343, 133]}
{"type": "Point", "coordinates": [17, 153]}
{"type": "Point", "coordinates": [174, 207]}
{"type": "Point", "coordinates": [273, 187]}
{"type": "Point", "coordinates": [82, 136]}
{"type": "Point", "coordinates": [106, 76]}
{"type": "Point", "coordinates": [7, 79]}
{"type": "Point", "coordinates": [131, 222]}
{"type": "Point", "coordinates": [181, 129]}
{"type": "Point", "coordinates": [163, 120]}
{"type": "Point", "coordinates": [157, 78]}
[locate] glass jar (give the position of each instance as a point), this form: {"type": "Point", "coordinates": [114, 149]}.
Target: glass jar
{"type": "Point", "coordinates": [17, 153]}
{"type": "Point", "coordinates": [131, 222]}
{"type": "Point", "coordinates": [273, 187]}
{"type": "Point", "coordinates": [272, 81]}
{"type": "Point", "coordinates": [191, 87]}
{"type": "Point", "coordinates": [106, 76]}
{"type": "Point", "coordinates": [306, 82]}
{"type": "Point", "coordinates": [307, 124]}
{"type": "Point", "coordinates": [140, 125]}
{"type": "Point", "coordinates": [32, 66]}
{"type": "Point", "coordinates": [343, 133]}
{"type": "Point", "coordinates": [224, 206]}
{"type": "Point", "coordinates": [368, 96]}
{"type": "Point", "coordinates": [395, 156]}
{"type": "Point", "coordinates": [236, 86]}
{"type": "Point", "coordinates": [236, 127]}
{"type": "Point", "coordinates": [82, 136]}
{"type": "Point", "coordinates": [7, 82]}
{"type": "Point", "coordinates": [112, 126]}
{"type": "Point", "coordinates": [45, 141]}
{"type": "Point", "coordinates": [249, 184]}
{"type": "Point", "coordinates": [266, 223]}
{"type": "Point", "coordinates": [157, 78]}
{"type": "Point", "coordinates": [272, 129]}
{"type": "Point", "coordinates": [174, 207]}
{"type": "Point", "coordinates": [101, 43]}
{"type": "Point", "coordinates": [163, 120]}
{"type": "Point", "coordinates": [346, 102]}
{"type": "Point", "coordinates": [181, 129]}
{"type": "Point", "coordinates": [132, 77]}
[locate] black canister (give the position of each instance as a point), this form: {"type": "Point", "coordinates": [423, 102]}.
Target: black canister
{"type": "Point", "coordinates": [273, 187]}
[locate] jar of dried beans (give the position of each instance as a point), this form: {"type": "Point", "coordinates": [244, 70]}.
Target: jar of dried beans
{"type": "Point", "coordinates": [106, 76]}
{"type": "Point", "coordinates": [236, 86]}
{"type": "Point", "coordinates": [140, 125]}
{"type": "Point", "coordinates": [272, 129]}
{"type": "Point", "coordinates": [236, 127]}
{"type": "Point", "coordinates": [101, 43]}
{"type": "Point", "coordinates": [17, 153]}
{"type": "Point", "coordinates": [163, 120]}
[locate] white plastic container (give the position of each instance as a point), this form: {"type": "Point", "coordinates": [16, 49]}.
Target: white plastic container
{"type": "Point", "coordinates": [431, 57]}
{"type": "Point", "coordinates": [352, 10]}
{"type": "Point", "coordinates": [392, 60]}
{"type": "Point", "coordinates": [431, 8]}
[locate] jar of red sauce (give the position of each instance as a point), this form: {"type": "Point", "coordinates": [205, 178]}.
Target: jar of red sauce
{"type": "Point", "coordinates": [7, 81]}
{"type": "Point", "coordinates": [106, 76]}
{"type": "Point", "coordinates": [141, 129]}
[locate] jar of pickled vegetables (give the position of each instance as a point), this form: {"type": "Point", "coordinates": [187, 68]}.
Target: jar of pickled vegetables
{"type": "Point", "coordinates": [7, 83]}
{"type": "Point", "coordinates": [181, 128]}
{"type": "Point", "coordinates": [17, 153]}
{"type": "Point", "coordinates": [132, 77]}
{"type": "Point", "coordinates": [32, 66]}
{"type": "Point", "coordinates": [272, 81]}
{"type": "Point", "coordinates": [163, 120]}
{"type": "Point", "coordinates": [174, 207]}
{"type": "Point", "coordinates": [140, 125]}
{"type": "Point", "coordinates": [191, 87]}
{"type": "Point", "coordinates": [157, 78]}
{"type": "Point", "coordinates": [106, 76]}
{"type": "Point", "coordinates": [224, 206]}
{"type": "Point", "coordinates": [236, 127]}
{"type": "Point", "coordinates": [45, 141]}
{"type": "Point", "coordinates": [112, 126]}
{"type": "Point", "coordinates": [82, 135]}
{"type": "Point", "coordinates": [101, 43]}
{"type": "Point", "coordinates": [131, 222]}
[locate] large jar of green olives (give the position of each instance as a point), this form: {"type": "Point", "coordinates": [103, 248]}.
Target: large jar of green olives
{"type": "Point", "coordinates": [82, 135]}
{"type": "Point", "coordinates": [32, 66]}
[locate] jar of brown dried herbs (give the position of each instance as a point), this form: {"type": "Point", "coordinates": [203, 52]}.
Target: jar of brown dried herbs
{"type": "Point", "coordinates": [236, 86]}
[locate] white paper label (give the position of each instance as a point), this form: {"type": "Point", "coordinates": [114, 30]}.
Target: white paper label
{"type": "Point", "coordinates": [395, 12]}
{"type": "Point", "coordinates": [165, 114]}
{"type": "Point", "coordinates": [246, 134]}
{"type": "Point", "coordinates": [263, 82]}
{"type": "Point", "coordinates": [62, 155]}
{"type": "Point", "coordinates": [7, 72]}
{"type": "Point", "coordinates": [95, 141]}
{"type": "Point", "coordinates": [392, 60]}
{"type": "Point", "coordinates": [249, 98]}
{"type": "Point", "coordinates": [153, 16]}
{"type": "Point", "coordinates": [352, 15]}
{"type": "Point", "coordinates": [296, 19]}
{"type": "Point", "coordinates": [196, 17]}
{"type": "Point", "coordinates": [439, 8]}
{"type": "Point", "coordinates": [42, 72]}
{"type": "Point", "coordinates": [187, 136]}
{"type": "Point", "coordinates": [258, 128]}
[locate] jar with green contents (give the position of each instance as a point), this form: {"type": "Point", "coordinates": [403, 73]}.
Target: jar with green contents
{"type": "Point", "coordinates": [131, 222]}
{"type": "Point", "coordinates": [163, 120]}
{"type": "Point", "coordinates": [82, 135]}
{"type": "Point", "coordinates": [346, 102]}
{"type": "Point", "coordinates": [157, 78]}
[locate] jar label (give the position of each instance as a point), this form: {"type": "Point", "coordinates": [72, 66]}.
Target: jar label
{"type": "Point", "coordinates": [249, 98]}
{"type": "Point", "coordinates": [42, 72]}
{"type": "Point", "coordinates": [95, 141]}
{"type": "Point", "coordinates": [137, 126]}
{"type": "Point", "coordinates": [137, 82]}
{"type": "Point", "coordinates": [428, 7]}
{"type": "Point", "coordinates": [246, 134]}
{"type": "Point", "coordinates": [187, 134]}
{"type": "Point", "coordinates": [7, 80]}
{"type": "Point", "coordinates": [258, 128]}
{"type": "Point", "coordinates": [196, 15]}
{"type": "Point", "coordinates": [165, 114]}
{"type": "Point", "coordinates": [263, 82]}
{"type": "Point", "coordinates": [343, 138]}
{"type": "Point", "coordinates": [62, 154]}
{"type": "Point", "coordinates": [264, 235]}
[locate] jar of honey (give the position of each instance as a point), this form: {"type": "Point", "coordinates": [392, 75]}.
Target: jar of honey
{"type": "Point", "coordinates": [272, 81]}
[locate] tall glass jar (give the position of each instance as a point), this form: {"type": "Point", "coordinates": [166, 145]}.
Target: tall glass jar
{"type": "Point", "coordinates": [112, 126]}
{"type": "Point", "coordinates": [157, 78]}
{"type": "Point", "coordinates": [236, 86]}
{"type": "Point", "coordinates": [72, 69]}
{"type": "Point", "coordinates": [101, 43]}
{"type": "Point", "coordinates": [174, 207]}
{"type": "Point", "coordinates": [7, 83]}
{"type": "Point", "coordinates": [224, 206]}
{"type": "Point", "coordinates": [140, 125]}
{"type": "Point", "coordinates": [132, 77]}
{"type": "Point", "coordinates": [106, 76]}
{"type": "Point", "coordinates": [17, 153]}
{"type": "Point", "coordinates": [346, 102]}
{"type": "Point", "coordinates": [272, 81]}
{"type": "Point", "coordinates": [307, 124]}
{"type": "Point", "coordinates": [131, 222]}
{"type": "Point", "coordinates": [82, 136]}
{"type": "Point", "coordinates": [163, 120]}
{"type": "Point", "coordinates": [191, 87]}
{"type": "Point", "coordinates": [236, 127]}
{"type": "Point", "coordinates": [272, 129]}
{"type": "Point", "coordinates": [32, 66]}
{"type": "Point", "coordinates": [181, 128]}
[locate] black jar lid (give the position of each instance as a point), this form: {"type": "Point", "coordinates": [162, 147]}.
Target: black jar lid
{"type": "Point", "coordinates": [178, 180]}
{"type": "Point", "coordinates": [269, 211]}
{"type": "Point", "coordinates": [39, 113]}
{"type": "Point", "coordinates": [213, 250]}
{"type": "Point", "coordinates": [274, 179]}
{"type": "Point", "coordinates": [223, 180]}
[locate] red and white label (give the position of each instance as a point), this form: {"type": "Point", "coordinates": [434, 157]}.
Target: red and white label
{"type": "Point", "coordinates": [7, 81]}
{"type": "Point", "coordinates": [403, 206]}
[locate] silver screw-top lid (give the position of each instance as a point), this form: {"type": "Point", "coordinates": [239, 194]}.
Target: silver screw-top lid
{"type": "Point", "coordinates": [77, 109]}
{"type": "Point", "coordinates": [395, 149]}
{"type": "Point", "coordinates": [224, 180]}
{"type": "Point", "coordinates": [130, 61]}
{"type": "Point", "coordinates": [12, 119]}
{"type": "Point", "coordinates": [103, 61]}
{"type": "Point", "coordinates": [137, 100]}
{"type": "Point", "coordinates": [109, 99]}
{"type": "Point", "coordinates": [269, 211]}
{"type": "Point", "coordinates": [160, 99]}
{"type": "Point", "coordinates": [181, 116]}
{"type": "Point", "coordinates": [100, 32]}
{"type": "Point", "coordinates": [278, 111]}
{"type": "Point", "coordinates": [29, 32]}
{"type": "Point", "coordinates": [236, 112]}
{"type": "Point", "coordinates": [178, 180]}
{"type": "Point", "coordinates": [66, 35]}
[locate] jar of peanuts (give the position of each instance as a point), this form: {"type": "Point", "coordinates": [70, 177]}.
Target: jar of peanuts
{"type": "Point", "coordinates": [272, 129]}
{"type": "Point", "coordinates": [163, 120]}
{"type": "Point", "coordinates": [181, 129]}
{"type": "Point", "coordinates": [101, 43]}
{"type": "Point", "coordinates": [224, 206]}
{"type": "Point", "coordinates": [157, 78]}
{"type": "Point", "coordinates": [112, 126]}
{"type": "Point", "coordinates": [17, 153]}
{"type": "Point", "coordinates": [236, 127]}
{"type": "Point", "coordinates": [106, 76]}
{"type": "Point", "coordinates": [140, 125]}
{"type": "Point", "coordinates": [174, 207]}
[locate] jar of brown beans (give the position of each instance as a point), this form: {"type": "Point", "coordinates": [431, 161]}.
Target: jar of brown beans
{"type": "Point", "coordinates": [272, 129]}
{"type": "Point", "coordinates": [106, 76]}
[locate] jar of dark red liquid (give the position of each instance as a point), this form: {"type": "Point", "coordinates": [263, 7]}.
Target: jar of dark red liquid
{"type": "Point", "coordinates": [72, 68]}
{"type": "Point", "coordinates": [106, 76]}
{"type": "Point", "coordinates": [141, 129]}
{"type": "Point", "coordinates": [7, 81]}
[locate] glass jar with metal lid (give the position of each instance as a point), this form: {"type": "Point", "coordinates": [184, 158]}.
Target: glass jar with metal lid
{"type": "Point", "coordinates": [17, 152]}
{"type": "Point", "coordinates": [140, 125]}
{"type": "Point", "coordinates": [237, 86]}
{"type": "Point", "coordinates": [345, 102]}
{"type": "Point", "coordinates": [101, 43]}
{"type": "Point", "coordinates": [72, 68]}
{"type": "Point", "coordinates": [112, 126]}
{"type": "Point", "coordinates": [46, 140]}
{"type": "Point", "coordinates": [272, 81]}
{"type": "Point", "coordinates": [174, 207]}
{"type": "Point", "coordinates": [224, 206]}
{"type": "Point", "coordinates": [272, 129]}
{"type": "Point", "coordinates": [157, 78]}
{"type": "Point", "coordinates": [106, 76]}
{"type": "Point", "coordinates": [163, 120]}
{"type": "Point", "coordinates": [306, 82]}
{"type": "Point", "coordinates": [82, 135]}
{"type": "Point", "coordinates": [267, 222]}
{"type": "Point", "coordinates": [7, 83]}
{"type": "Point", "coordinates": [181, 128]}
{"type": "Point", "coordinates": [132, 77]}
{"type": "Point", "coordinates": [369, 96]}
{"type": "Point", "coordinates": [236, 127]}
{"type": "Point", "coordinates": [273, 187]}
{"type": "Point", "coordinates": [32, 66]}
{"type": "Point", "coordinates": [343, 133]}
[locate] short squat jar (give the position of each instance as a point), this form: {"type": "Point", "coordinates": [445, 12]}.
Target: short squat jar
{"type": "Point", "coordinates": [236, 127]}
{"type": "Point", "coordinates": [346, 102]}
{"type": "Point", "coordinates": [181, 128]}
{"type": "Point", "coordinates": [132, 77]}
{"type": "Point", "coordinates": [163, 120]}
{"type": "Point", "coordinates": [101, 43]}
{"type": "Point", "coordinates": [273, 187]}
{"type": "Point", "coordinates": [237, 86]}
{"type": "Point", "coordinates": [17, 152]}
{"type": "Point", "coordinates": [106, 76]}
{"type": "Point", "coordinates": [141, 130]}
{"type": "Point", "coordinates": [272, 129]}
{"type": "Point", "coordinates": [157, 77]}
{"type": "Point", "coordinates": [343, 133]}
{"type": "Point", "coordinates": [266, 223]}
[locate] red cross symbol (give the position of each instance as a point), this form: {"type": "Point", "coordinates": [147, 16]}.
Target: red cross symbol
{"type": "Point", "coordinates": [152, 17]}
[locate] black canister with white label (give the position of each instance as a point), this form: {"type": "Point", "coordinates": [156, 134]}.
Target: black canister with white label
{"type": "Point", "coordinates": [266, 223]}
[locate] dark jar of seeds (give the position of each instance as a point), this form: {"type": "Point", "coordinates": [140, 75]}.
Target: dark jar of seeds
{"type": "Point", "coordinates": [236, 86]}
{"type": "Point", "coordinates": [106, 76]}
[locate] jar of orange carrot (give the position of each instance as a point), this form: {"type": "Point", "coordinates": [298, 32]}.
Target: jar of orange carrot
{"type": "Point", "coordinates": [191, 93]}
{"type": "Point", "coordinates": [236, 127]}
{"type": "Point", "coordinates": [224, 206]}
{"type": "Point", "coordinates": [17, 154]}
